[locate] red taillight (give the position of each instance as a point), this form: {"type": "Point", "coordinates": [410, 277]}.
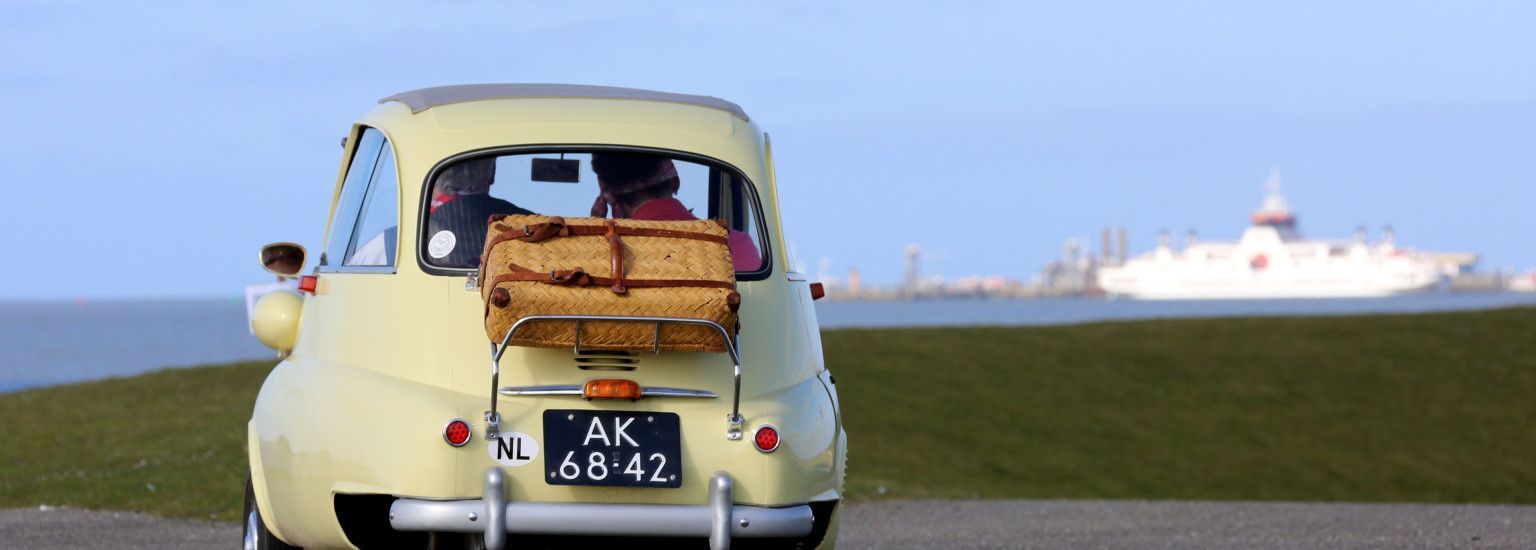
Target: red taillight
{"type": "Point", "coordinates": [817, 291]}
{"type": "Point", "coordinates": [457, 432]}
{"type": "Point", "coordinates": [308, 283]}
{"type": "Point", "coordinates": [766, 439]}
{"type": "Point", "coordinates": [610, 388]}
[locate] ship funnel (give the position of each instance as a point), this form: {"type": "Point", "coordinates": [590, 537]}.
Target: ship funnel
{"type": "Point", "coordinates": [1275, 211]}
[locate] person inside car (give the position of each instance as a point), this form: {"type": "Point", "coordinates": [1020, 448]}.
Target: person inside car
{"type": "Point", "coordinates": [461, 206]}
{"type": "Point", "coordinates": [643, 187]}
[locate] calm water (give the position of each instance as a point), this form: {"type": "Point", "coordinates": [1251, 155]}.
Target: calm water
{"type": "Point", "coordinates": [46, 343]}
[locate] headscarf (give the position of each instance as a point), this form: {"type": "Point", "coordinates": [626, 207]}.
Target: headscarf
{"type": "Point", "coordinates": [610, 190]}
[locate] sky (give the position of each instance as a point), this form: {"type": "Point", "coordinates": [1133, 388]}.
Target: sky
{"type": "Point", "coordinates": [148, 150]}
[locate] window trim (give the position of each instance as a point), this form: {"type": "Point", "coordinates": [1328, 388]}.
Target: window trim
{"type": "Point", "coordinates": [338, 266]}
{"type": "Point", "coordinates": [764, 242]}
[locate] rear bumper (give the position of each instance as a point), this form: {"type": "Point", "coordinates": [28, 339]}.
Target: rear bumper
{"type": "Point", "coordinates": [720, 520]}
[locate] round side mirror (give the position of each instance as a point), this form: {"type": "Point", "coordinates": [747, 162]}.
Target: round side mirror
{"type": "Point", "coordinates": [283, 259]}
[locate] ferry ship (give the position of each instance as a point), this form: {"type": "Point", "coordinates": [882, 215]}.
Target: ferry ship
{"type": "Point", "coordinates": [1273, 260]}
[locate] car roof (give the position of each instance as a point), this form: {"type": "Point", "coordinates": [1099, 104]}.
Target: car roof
{"type": "Point", "coordinates": [427, 98]}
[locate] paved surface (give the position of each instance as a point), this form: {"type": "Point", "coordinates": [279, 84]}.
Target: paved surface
{"type": "Point", "coordinates": [961, 524]}
{"type": "Point", "coordinates": [1151, 525]}
{"type": "Point", "coordinates": [48, 528]}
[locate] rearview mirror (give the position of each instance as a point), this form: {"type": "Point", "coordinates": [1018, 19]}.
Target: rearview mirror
{"type": "Point", "coordinates": [556, 170]}
{"type": "Point", "coordinates": [283, 259]}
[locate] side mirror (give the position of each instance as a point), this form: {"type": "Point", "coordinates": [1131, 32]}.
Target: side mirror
{"type": "Point", "coordinates": [283, 259]}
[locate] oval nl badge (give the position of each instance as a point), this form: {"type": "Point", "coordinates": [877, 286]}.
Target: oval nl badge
{"type": "Point", "coordinates": [441, 244]}
{"type": "Point", "coordinates": [513, 448]}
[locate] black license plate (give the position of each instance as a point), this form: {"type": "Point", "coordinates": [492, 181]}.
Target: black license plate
{"type": "Point", "coordinates": [612, 448]}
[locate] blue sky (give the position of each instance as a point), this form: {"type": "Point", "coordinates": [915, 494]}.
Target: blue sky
{"type": "Point", "coordinates": [150, 149]}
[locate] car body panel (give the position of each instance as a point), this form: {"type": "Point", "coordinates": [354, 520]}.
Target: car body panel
{"type": "Point", "coordinates": [386, 357]}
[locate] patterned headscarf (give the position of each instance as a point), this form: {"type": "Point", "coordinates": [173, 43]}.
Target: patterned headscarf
{"type": "Point", "coordinates": [606, 199]}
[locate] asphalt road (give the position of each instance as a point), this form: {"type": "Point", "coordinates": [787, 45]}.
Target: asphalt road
{"type": "Point", "coordinates": [961, 524]}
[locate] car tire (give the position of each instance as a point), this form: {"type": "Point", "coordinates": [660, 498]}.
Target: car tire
{"type": "Point", "coordinates": [458, 541]}
{"type": "Point", "coordinates": [256, 535]}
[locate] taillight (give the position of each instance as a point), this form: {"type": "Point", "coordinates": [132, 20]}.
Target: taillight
{"type": "Point", "coordinates": [766, 438]}
{"type": "Point", "coordinates": [611, 388]}
{"type": "Point", "coordinates": [457, 432]}
{"type": "Point", "coordinates": [308, 283]}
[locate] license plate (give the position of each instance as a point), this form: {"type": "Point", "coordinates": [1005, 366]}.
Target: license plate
{"type": "Point", "coordinates": [612, 448]}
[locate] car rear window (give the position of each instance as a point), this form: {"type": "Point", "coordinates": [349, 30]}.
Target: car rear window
{"type": "Point", "coordinates": [462, 195]}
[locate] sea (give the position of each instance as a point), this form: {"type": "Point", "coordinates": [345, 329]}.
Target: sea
{"type": "Point", "coordinates": [50, 343]}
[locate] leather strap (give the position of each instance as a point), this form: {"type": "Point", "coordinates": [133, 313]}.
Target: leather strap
{"type": "Point", "coordinates": [579, 277]}
{"type": "Point", "coordinates": [616, 250]}
{"type": "Point", "coordinates": [540, 231]}
{"type": "Point", "coordinates": [556, 227]}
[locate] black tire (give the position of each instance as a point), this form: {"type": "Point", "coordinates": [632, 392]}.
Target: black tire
{"type": "Point", "coordinates": [457, 541]}
{"type": "Point", "coordinates": [255, 535]}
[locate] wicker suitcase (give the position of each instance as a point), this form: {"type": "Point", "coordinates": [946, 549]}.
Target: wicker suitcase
{"type": "Point", "coordinates": [547, 265]}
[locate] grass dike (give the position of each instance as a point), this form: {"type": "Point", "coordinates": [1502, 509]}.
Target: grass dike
{"type": "Point", "coordinates": [1430, 408]}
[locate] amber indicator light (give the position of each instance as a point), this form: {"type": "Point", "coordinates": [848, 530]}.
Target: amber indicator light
{"type": "Point", "coordinates": [308, 283]}
{"type": "Point", "coordinates": [610, 388]}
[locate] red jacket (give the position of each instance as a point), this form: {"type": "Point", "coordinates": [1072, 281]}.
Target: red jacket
{"type": "Point", "coordinates": [744, 254]}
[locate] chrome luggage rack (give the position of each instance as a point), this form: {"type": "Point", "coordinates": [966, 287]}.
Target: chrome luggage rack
{"type": "Point", "coordinates": [733, 422]}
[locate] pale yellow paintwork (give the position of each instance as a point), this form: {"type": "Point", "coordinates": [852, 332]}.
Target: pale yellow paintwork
{"type": "Point", "coordinates": [383, 360]}
{"type": "Point", "coordinates": [275, 319]}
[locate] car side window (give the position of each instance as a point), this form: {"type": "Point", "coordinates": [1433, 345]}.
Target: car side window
{"type": "Point", "coordinates": [730, 202]}
{"type": "Point", "coordinates": [373, 242]}
{"type": "Point", "coordinates": [354, 189]}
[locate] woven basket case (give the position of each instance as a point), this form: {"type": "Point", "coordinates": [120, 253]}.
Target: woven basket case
{"type": "Point", "coordinates": [682, 260]}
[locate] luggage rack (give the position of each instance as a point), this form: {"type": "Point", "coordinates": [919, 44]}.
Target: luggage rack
{"type": "Point", "coordinates": [733, 422]}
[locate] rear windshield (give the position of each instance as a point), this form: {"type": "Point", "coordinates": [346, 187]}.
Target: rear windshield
{"type": "Point", "coordinates": [464, 194]}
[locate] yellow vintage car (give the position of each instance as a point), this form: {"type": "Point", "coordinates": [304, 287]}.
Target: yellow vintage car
{"type": "Point", "coordinates": [393, 421]}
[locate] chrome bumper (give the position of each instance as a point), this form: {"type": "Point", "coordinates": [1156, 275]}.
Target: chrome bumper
{"type": "Point", "coordinates": [720, 520]}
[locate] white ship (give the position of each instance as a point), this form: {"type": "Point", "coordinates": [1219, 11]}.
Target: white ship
{"type": "Point", "coordinates": [1272, 260]}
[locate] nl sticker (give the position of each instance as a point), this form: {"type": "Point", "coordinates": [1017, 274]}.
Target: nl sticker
{"type": "Point", "coordinates": [441, 244]}
{"type": "Point", "coordinates": [513, 448]}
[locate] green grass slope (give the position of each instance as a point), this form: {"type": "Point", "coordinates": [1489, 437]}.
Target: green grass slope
{"type": "Point", "coordinates": [170, 442]}
{"type": "Point", "coordinates": [1421, 408]}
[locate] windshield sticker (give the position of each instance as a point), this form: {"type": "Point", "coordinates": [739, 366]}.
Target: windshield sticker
{"type": "Point", "coordinates": [441, 244]}
{"type": "Point", "coordinates": [513, 448]}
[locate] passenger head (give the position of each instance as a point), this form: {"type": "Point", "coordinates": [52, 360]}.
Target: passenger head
{"type": "Point", "coordinates": [469, 177]}
{"type": "Point", "coordinates": [627, 180]}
